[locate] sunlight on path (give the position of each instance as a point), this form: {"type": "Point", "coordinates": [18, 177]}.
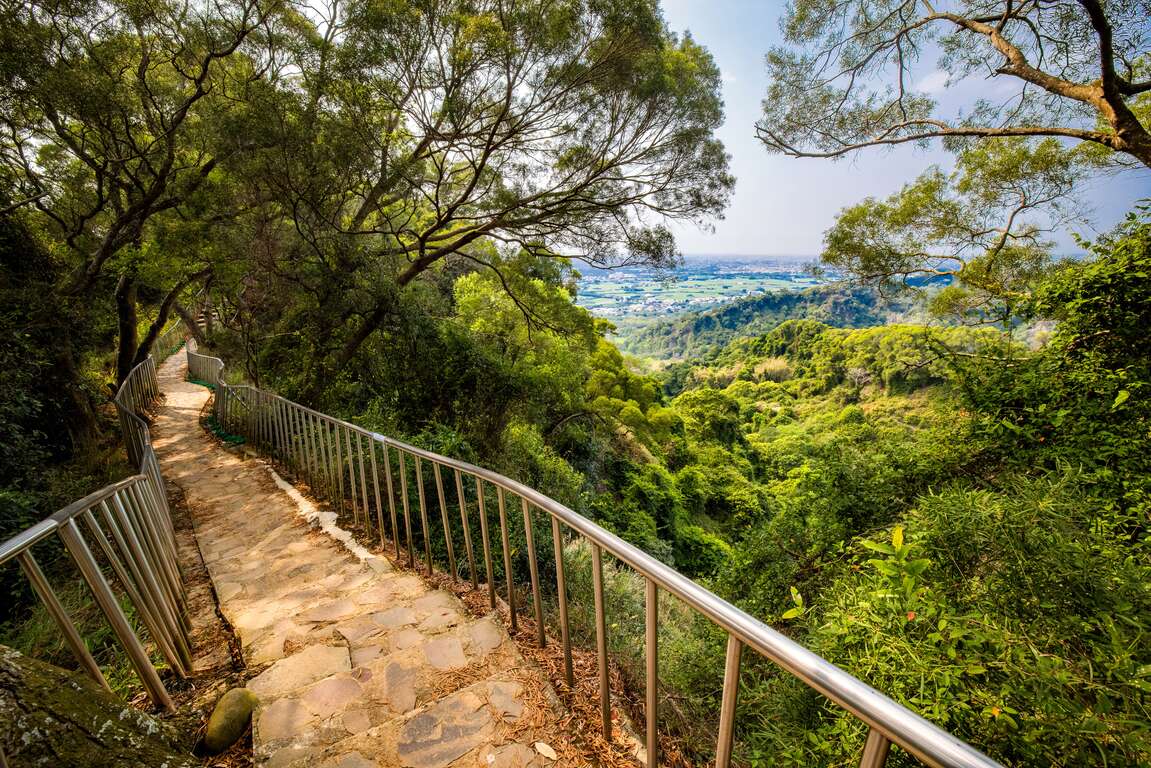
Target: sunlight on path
{"type": "Point", "coordinates": [356, 665]}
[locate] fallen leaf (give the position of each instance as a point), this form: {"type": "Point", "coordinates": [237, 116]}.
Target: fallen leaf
{"type": "Point", "coordinates": [546, 750]}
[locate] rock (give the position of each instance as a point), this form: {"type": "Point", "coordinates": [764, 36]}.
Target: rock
{"type": "Point", "coordinates": [310, 665]}
{"type": "Point", "coordinates": [229, 720]}
{"type": "Point", "coordinates": [49, 716]}
{"type": "Point", "coordinates": [444, 732]}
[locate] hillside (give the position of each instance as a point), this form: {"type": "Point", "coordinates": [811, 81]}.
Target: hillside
{"type": "Point", "coordinates": [701, 334]}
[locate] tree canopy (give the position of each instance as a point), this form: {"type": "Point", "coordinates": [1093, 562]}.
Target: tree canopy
{"type": "Point", "coordinates": [846, 74]}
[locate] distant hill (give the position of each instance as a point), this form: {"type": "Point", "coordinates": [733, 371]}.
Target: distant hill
{"type": "Point", "coordinates": [702, 334]}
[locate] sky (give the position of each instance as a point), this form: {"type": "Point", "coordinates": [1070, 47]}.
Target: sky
{"type": "Point", "coordinates": [782, 205]}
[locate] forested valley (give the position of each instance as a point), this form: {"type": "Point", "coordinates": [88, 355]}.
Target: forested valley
{"type": "Point", "coordinates": [935, 474]}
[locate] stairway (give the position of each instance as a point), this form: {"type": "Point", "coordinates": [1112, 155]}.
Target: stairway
{"type": "Point", "coordinates": [356, 664]}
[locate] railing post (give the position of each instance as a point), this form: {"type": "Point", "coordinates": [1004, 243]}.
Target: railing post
{"type": "Point", "coordinates": [875, 751]}
{"type": "Point", "coordinates": [601, 639]}
{"type": "Point", "coordinates": [533, 569]}
{"type": "Point", "coordinates": [364, 486]}
{"type": "Point", "coordinates": [651, 653]}
{"type": "Point", "coordinates": [407, 508]}
{"type": "Point", "coordinates": [506, 545]}
{"type": "Point", "coordinates": [391, 498]}
{"type": "Point", "coordinates": [47, 596]}
{"type": "Point", "coordinates": [451, 547]}
{"type": "Point", "coordinates": [467, 529]}
{"type": "Point", "coordinates": [82, 556]}
{"type": "Point", "coordinates": [489, 571]}
{"type": "Point", "coordinates": [424, 514]}
{"type": "Point", "coordinates": [562, 594]}
{"type": "Point", "coordinates": [728, 702]}
{"type": "Point", "coordinates": [376, 487]}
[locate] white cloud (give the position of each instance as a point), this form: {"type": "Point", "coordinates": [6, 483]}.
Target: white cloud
{"type": "Point", "coordinates": [933, 82]}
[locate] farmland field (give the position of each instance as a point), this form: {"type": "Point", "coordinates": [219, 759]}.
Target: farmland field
{"type": "Point", "coordinates": [700, 283]}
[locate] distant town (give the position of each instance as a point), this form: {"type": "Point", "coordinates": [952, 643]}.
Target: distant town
{"type": "Point", "coordinates": [701, 282]}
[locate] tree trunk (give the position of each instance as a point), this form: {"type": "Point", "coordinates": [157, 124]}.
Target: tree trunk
{"type": "Point", "coordinates": [80, 417]}
{"type": "Point", "coordinates": [157, 327]}
{"type": "Point", "coordinates": [49, 716]}
{"type": "Point", "coordinates": [191, 322]}
{"type": "Point", "coordinates": [126, 324]}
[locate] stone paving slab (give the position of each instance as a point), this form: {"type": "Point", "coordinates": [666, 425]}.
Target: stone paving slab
{"type": "Point", "coordinates": [356, 665]}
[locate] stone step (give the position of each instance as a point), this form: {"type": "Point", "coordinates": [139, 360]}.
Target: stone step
{"type": "Point", "coordinates": [486, 724]}
{"type": "Point", "coordinates": [366, 687]}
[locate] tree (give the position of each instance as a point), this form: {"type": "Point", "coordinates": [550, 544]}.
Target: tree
{"type": "Point", "coordinates": [114, 113]}
{"type": "Point", "coordinates": [844, 78]}
{"type": "Point", "coordinates": [418, 132]}
{"type": "Point", "coordinates": [984, 227]}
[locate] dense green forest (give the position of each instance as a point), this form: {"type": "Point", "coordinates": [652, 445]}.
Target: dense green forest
{"type": "Point", "coordinates": [703, 334]}
{"type": "Point", "coordinates": [386, 224]}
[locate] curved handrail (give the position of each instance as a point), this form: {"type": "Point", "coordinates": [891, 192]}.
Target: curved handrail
{"type": "Point", "coordinates": [303, 436]}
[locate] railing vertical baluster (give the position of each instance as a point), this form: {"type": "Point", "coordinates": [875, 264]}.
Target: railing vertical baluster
{"type": "Point", "coordinates": [327, 455]}
{"type": "Point", "coordinates": [562, 595]}
{"type": "Point", "coordinates": [407, 512]}
{"type": "Point", "coordinates": [351, 472]}
{"type": "Point", "coordinates": [344, 449]}
{"type": "Point", "coordinates": [303, 432]}
{"type": "Point", "coordinates": [467, 529]}
{"type": "Point", "coordinates": [340, 500]}
{"type": "Point", "coordinates": [139, 541]}
{"type": "Point", "coordinates": [291, 446]}
{"type": "Point", "coordinates": [166, 565]}
{"type": "Point", "coordinates": [286, 457]}
{"type": "Point", "coordinates": [488, 569]}
{"type": "Point", "coordinates": [274, 406]}
{"type": "Point", "coordinates": [507, 557]}
{"type": "Point", "coordinates": [424, 515]}
{"type": "Point", "coordinates": [728, 702]}
{"type": "Point", "coordinates": [323, 479]}
{"type": "Point", "coordinates": [376, 488]}
{"type": "Point", "coordinates": [651, 653]}
{"type": "Point", "coordinates": [311, 464]}
{"type": "Point", "coordinates": [285, 434]}
{"type": "Point", "coordinates": [82, 556]}
{"type": "Point", "coordinates": [56, 610]}
{"type": "Point", "coordinates": [363, 483]}
{"type": "Point", "coordinates": [601, 639]}
{"type": "Point", "coordinates": [876, 750]}
{"type": "Point", "coordinates": [444, 519]}
{"type": "Point", "coordinates": [391, 498]}
{"type": "Point", "coordinates": [533, 568]}
{"type": "Point", "coordinates": [143, 594]}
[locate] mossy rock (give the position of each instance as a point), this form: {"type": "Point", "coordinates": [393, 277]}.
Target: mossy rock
{"type": "Point", "coordinates": [51, 717]}
{"type": "Point", "coordinates": [229, 720]}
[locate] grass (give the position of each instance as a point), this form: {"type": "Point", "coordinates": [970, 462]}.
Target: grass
{"type": "Point", "coordinates": [37, 635]}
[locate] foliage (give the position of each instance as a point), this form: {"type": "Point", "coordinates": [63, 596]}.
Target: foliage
{"type": "Point", "coordinates": [704, 334]}
{"type": "Point", "coordinates": [984, 227]}
{"type": "Point", "coordinates": [847, 75]}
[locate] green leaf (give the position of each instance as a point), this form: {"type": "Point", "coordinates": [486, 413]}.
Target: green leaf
{"type": "Point", "coordinates": [874, 546]}
{"type": "Point", "coordinates": [1120, 398]}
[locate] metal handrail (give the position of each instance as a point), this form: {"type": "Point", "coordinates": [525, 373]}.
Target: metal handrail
{"type": "Point", "coordinates": [129, 525]}
{"type": "Point", "coordinates": [319, 448]}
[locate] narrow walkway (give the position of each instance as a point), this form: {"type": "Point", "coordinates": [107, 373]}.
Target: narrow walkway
{"type": "Point", "coordinates": [356, 665]}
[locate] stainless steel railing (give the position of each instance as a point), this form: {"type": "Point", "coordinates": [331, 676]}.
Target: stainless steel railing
{"type": "Point", "coordinates": [342, 462]}
{"type": "Point", "coordinates": [127, 528]}
{"type": "Point", "coordinates": [170, 339]}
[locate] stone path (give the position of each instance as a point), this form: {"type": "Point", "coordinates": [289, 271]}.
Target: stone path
{"type": "Point", "coordinates": [356, 665]}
